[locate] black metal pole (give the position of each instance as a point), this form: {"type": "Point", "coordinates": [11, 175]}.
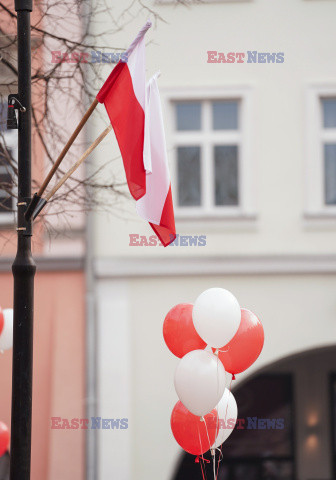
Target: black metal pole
{"type": "Point", "coordinates": [23, 266]}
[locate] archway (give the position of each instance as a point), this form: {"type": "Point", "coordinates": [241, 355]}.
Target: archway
{"type": "Point", "coordinates": [286, 428]}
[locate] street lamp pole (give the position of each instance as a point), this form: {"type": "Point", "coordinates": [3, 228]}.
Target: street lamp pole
{"type": "Point", "coordinates": [23, 267]}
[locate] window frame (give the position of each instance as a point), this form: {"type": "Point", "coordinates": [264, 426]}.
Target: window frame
{"type": "Point", "coordinates": [10, 137]}
{"type": "Point", "coordinates": [316, 137]}
{"type": "Point", "coordinates": [205, 138]}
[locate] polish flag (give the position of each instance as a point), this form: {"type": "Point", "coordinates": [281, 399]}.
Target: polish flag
{"type": "Point", "coordinates": [156, 206]}
{"type": "Point", "coordinates": [123, 95]}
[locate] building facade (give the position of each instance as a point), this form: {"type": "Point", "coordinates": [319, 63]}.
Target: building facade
{"type": "Point", "coordinates": [251, 145]}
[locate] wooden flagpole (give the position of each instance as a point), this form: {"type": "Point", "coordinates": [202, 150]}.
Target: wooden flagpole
{"type": "Point", "coordinates": [37, 196]}
{"type": "Point", "coordinates": [68, 174]}
{"type": "Point", "coordinates": [79, 162]}
{"type": "Point", "coordinates": [67, 146]}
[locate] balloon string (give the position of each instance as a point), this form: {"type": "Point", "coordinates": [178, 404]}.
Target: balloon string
{"type": "Point", "coordinates": [202, 459]}
{"type": "Point", "coordinates": [225, 350]}
{"type": "Point", "coordinates": [217, 390]}
{"type": "Point", "coordinates": [207, 432]}
{"type": "Point", "coordinates": [202, 471]}
{"type": "Point", "coordinates": [221, 447]}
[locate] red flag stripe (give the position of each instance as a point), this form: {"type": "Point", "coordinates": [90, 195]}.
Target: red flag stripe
{"type": "Point", "coordinates": [128, 119]}
{"type": "Point", "coordinates": [166, 230]}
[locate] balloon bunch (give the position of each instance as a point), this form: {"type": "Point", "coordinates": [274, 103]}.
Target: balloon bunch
{"type": "Point", "coordinates": [4, 438]}
{"type": "Point", "coordinates": [6, 329]}
{"type": "Point", "coordinates": [207, 411]}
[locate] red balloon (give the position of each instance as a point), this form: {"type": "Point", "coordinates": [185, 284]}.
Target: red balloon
{"type": "Point", "coordinates": [245, 347]}
{"type": "Point", "coordinates": [179, 332]}
{"type": "Point", "coordinates": [191, 433]}
{"type": "Point", "coordinates": [1, 320]}
{"type": "Point", "coordinates": [4, 438]}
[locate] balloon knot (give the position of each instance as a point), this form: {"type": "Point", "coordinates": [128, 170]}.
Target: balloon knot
{"type": "Point", "coordinates": [197, 459]}
{"type": "Point", "coordinates": [233, 376]}
{"type": "Point", "coordinates": [216, 352]}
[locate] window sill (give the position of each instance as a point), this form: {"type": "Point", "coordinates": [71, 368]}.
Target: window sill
{"type": "Point", "coordinates": [320, 219]}
{"type": "Point", "coordinates": [7, 221]}
{"type": "Point", "coordinates": [321, 215]}
{"type": "Point", "coordinates": [215, 222]}
{"type": "Point", "coordinates": [213, 215]}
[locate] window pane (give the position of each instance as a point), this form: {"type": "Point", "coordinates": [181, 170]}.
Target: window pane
{"type": "Point", "coordinates": [6, 182]}
{"type": "Point", "coordinates": [5, 204]}
{"type": "Point", "coordinates": [265, 403]}
{"type": "Point", "coordinates": [330, 173]}
{"type": "Point", "coordinates": [245, 471]}
{"type": "Point", "coordinates": [5, 197]}
{"type": "Point", "coordinates": [226, 175]}
{"type": "Point", "coordinates": [3, 116]}
{"type": "Point", "coordinates": [329, 112]}
{"type": "Point", "coordinates": [188, 116]}
{"type": "Point", "coordinates": [277, 470]}
{"type": "Point", "coordinates": [189, 176]}
{"type": "Point", "coordinates": [225, 115]}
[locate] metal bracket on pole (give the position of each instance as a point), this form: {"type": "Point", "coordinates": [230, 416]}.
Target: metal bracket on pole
{"type": "Point", "coordinates": [24, 226]}
{"type": "Point", "coordinates": [12, 123]}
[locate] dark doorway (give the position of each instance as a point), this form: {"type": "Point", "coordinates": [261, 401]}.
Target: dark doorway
{"type": "Point", "coordinates": [262, 445]}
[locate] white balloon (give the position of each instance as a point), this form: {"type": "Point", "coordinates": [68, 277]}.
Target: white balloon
{"type": "Point", "coordinates": [216, 316]}
{"type": "Point", "coordinates": [6, 336]}
{"type": "Point", "coordinates": [227, 417]}
{"type": "Point", "coordinates": [200, 381]}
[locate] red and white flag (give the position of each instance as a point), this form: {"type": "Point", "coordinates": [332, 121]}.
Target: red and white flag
{"type": "Point", "coordinates": [156, 206]}
{"type": "Point", "coordinates": [123, 95]}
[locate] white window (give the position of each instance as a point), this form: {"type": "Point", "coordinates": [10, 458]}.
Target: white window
{"type": "Point", "coordinates": [210, 151]}
{"type": "Point", "coordinates": [8, 147]}
{"type": "Point", "coordinates": [321, 152]}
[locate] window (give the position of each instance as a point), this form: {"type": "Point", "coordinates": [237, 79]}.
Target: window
{"type": "Point", "coordinates": [211, 169]}
{"type": "Point", "coordinates": [7, 149]}
{"type": "Point", "coordinates": [321, 151]}
{"type": "Point", "coordinates": [329, 149]}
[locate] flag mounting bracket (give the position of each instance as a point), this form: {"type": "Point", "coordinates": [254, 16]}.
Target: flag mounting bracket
{"type": "Point", "coordinates": [13, 104]}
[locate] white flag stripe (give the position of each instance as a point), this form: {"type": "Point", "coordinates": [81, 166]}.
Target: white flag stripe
{"type": "Point", "coordinates": [147, 156]}
{"type": "Point", "coordinates": [150, 206]}
{"type": "Point", "coordinates": [136, 65]}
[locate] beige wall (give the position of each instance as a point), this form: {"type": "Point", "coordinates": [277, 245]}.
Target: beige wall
{"type": "Point", "coordinates": [298, 313]}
